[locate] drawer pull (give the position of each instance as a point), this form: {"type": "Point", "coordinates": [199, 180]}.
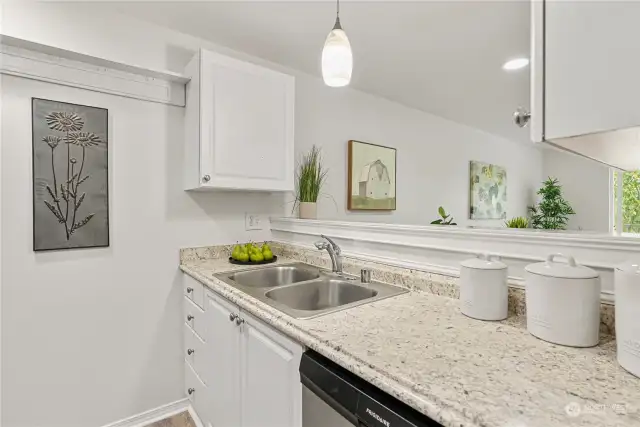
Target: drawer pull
{"type": "Point", "coordinates": [239, 320]}
{"type": "Point", "coordinates": [191, 390]}
{"type": "Point", "coordinates": [189, 290]}
{"type": "Point", "coordinates": [232, 316]}
{"type": "Point", "coordinates": [189, 318]}
{"type": "Point", "coordinates": [190, 351]}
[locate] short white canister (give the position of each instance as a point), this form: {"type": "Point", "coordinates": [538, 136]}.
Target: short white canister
{"type": "Point", "coordinates": [483, 288]}
{"type": "Point", "coordinates": [563, 302]}
{"type": "Point", "coordinates": [627, 291]}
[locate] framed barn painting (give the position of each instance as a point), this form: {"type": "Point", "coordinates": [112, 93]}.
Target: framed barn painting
{"type": "Point", "coordinates": [372, 177]}
{"type": "Point", "coordinates": [487, 191]}
{"type": "Point", "coordinates": [70, 176]}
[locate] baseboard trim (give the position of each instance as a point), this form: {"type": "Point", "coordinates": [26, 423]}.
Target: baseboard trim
{"type": "Point", "coordinates": [161, 412]}
{"type": "Point", "coordinates": [196, 419]}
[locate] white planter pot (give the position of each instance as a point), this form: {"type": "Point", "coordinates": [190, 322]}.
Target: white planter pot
{"type": "Point", "coordinates": [627, 286]}
{"type": "Point", "coordinates": [483, 288]}
{"type": "Point", "coordinates": [563, 302]}
{"type": "Point", "coordinates": [308, 210]}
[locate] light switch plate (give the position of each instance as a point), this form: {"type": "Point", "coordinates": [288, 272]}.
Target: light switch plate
{"type": "Point", "coordinates": [253, 221]}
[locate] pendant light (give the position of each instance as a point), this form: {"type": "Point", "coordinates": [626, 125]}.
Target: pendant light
{"type": "Point", "coordinates": [337, 60]}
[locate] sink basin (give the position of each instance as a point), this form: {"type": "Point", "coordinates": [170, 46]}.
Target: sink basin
{"type": "Point", "coordinates": [303, 291]}
{"type": "Point", "coordinates": [269, 277]}
{"type": "Point", "coordinates": [320, 294]}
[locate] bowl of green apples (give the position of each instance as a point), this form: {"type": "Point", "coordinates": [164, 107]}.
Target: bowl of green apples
{"type": "Point", "coordinates": [252, 254]}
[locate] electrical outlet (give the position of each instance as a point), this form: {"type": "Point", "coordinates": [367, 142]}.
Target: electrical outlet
{"type": "Point", "coordinates": [253, 221]}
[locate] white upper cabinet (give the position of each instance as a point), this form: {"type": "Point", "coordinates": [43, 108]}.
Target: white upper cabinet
{"type": "Point", "coordinates": [239, 125]}
{"type": "Point", "coordinates": [585, 70]}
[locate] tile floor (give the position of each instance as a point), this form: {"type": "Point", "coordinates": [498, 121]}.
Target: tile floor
{"type": "Point", "coordinates": [181, 420]}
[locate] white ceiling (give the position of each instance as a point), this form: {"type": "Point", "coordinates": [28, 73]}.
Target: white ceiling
{"type": "Point", "coordinates": [440, 57]}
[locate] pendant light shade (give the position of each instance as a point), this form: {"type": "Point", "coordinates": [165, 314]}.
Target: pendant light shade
{"type": "Point", "coordinates": [337, 59]}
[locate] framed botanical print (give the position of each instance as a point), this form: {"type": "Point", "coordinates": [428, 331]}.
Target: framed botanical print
{"type": "Point", "coordinates": [487, 191]}
{"type": "Point", "coordinates": [70, 176]}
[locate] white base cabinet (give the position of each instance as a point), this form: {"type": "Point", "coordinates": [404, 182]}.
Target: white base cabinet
{"type": "Point", "coordinates": [239, 125]}
{"type": "Point", "coordinates": [271, 392]}
{"type": "Point", "coordinates": [246, 372]}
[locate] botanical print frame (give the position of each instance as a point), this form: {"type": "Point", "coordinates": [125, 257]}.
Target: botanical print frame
{"type": "Point", "coordinates": [70, 175]}
{"type": "Point", "coordinates": [371, 177]}
{"type": "Point", "coordinates": [487, 191]}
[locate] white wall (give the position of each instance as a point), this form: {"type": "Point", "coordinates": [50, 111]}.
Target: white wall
{"type": "Point", "coordinates": [433, 155]}
{"type": "Point", "coordinates": [586, 186]}
{"type": "Point", "coordinates": [92, 336]}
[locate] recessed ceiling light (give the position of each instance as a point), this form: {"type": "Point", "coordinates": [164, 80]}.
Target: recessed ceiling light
{"type": "Point", "coordinates": [515, 64]}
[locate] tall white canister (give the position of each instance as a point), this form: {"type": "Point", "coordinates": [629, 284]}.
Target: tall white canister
{"type": "Point", "coordinates": [627, 291]}
{"type": "Point", "coordinates": [483, 288]}
{"type": "Point", "coordinates": [563, 302]}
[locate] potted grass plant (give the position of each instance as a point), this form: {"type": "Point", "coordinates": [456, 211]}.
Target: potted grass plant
{"type": "Point", "coordinates": [310, 177]}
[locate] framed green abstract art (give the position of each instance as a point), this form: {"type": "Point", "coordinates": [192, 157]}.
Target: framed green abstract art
{"type": "Point", "coordinates": [487, 191]}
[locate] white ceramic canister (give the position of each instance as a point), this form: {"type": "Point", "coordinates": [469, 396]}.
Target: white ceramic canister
{"type": "Point", "coordinates": [627, 291]}
{"type": "Point", "coordinates": [483, 288]}
{"type": "Point", "coordinates": [563, 302]}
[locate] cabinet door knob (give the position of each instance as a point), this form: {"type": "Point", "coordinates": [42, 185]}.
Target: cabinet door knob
{"type": "Point", "coordinates": [189, 290]}
{"type": "Point", "coordinates": [232, 316]}
{"type": "Point", "coordinates": [189, 318]}
{"type": "Point", "coordinates": [191, 390]}
{"type": "Point", "coordinates": [521, 117]}
{"type": "Point", "coordinates": [206, 178]}
{"type": "Point", "coordinates": [239, 320]}
{"type": "Point", "coordinates": [190, 351]}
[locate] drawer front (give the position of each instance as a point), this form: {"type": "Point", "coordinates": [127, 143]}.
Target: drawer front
{"type": "Point", "coordinates": [194, 317]}
{"type": "Point", "coordinates": [194, 290]}
{"type": "Point", "coordinates": [195, 391]}
{"type": "Point", "coordinates": [194, 349]}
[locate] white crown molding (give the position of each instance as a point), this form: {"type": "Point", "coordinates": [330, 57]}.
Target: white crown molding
{"type": "Point", "coordinates": [161, 412]}
{"type": "Point", "coordinates": [440, 249]}
{"type": "Point", "coordinates": [23, 58]}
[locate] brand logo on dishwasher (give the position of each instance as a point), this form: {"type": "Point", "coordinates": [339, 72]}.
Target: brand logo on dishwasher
{"type": "Point", "coordinates": [377, 417]}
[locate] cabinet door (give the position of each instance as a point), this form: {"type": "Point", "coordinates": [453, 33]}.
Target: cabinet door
{"type": "Point", "coordinates": [271, 389]}
{"type": "Point", "coordinates": [591, 67]}
{"type": "Point", "coordinates": [222, 368]}
{"type": "Point", "coordinates": [246, 125]}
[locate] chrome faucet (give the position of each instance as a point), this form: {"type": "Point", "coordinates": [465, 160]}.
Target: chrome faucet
{"type": "Point", "coordinates": [334, 252]}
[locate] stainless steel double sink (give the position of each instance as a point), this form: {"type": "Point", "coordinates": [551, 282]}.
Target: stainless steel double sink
{"type": "Point", "coordinates": [304, 291]}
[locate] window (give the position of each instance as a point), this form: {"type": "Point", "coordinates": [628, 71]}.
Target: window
{"type": "Point", "coordinates": [626, 191]}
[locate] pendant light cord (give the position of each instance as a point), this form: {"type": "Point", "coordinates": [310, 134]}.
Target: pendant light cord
{"type": "Point", "coordinates": [337, 25]}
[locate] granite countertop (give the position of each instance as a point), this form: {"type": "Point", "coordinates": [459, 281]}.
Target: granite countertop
{"type": "Point", "coordinates": [458, 371]}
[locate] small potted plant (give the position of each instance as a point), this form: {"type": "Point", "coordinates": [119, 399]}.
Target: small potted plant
{"type": "Point", "coordinates": [445, 218]}
{"type": "Point", "coordinates": [552, 213]}
{"type": "Point", "coordinates": [310, 177]}
{"type": "Point", "coordinates": [517, 222]}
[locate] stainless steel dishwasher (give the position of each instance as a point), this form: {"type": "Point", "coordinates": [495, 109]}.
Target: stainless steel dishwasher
{"type": "Point", "coordinates": [335, 397]}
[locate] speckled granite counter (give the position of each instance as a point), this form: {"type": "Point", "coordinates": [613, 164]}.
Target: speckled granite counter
{"type": "Point", "coordinates": [458, 371]}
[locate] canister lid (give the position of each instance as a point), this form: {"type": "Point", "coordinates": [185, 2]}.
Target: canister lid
{"type": "Point", "coordinates": [484, 262]}
{"type": "Point", "coordinates": [631, 267]}
{"type": "Point", "coordinates": [568, 270]}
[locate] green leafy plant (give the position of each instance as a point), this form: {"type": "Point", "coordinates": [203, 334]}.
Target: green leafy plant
{"type": "Point", "coordinates": [310, 177]}
{"type": "Point", "coordinates": [445, 219]}
{"type": "Point", "coordinates": [517, 222]}
{"type": "Point", "coordinates": [552, 213]}
{"type": "Point", "coordinates": [630, 201]}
